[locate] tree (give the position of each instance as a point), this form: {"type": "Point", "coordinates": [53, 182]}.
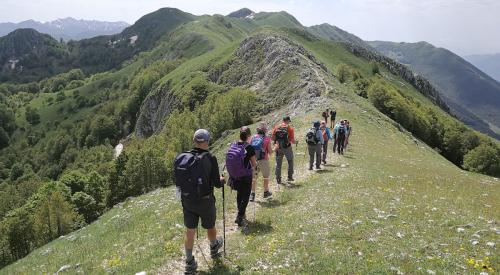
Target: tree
{"type": "Point", "coordinates": [54, 217]}
{"type": "Point", "coordinates": [485, 158]}
{"type": "Point", "coordinates": [75, 180]}
{"type": "Point", "coordinates": [32, 116]}
{"type": "Point", "coordinates": [4, 138]}
{"type": "Point", "coordinates": [103, 127]}
{"type": "Point", "coordinates": [374, 68]}
{"type": "Point", "coordinates": [16, 171]}
{"type": "Point", "coordinates": [96, 186]}
{"type": "Point", "coordinates": [453, 146]}
{"type": "Point", "coordinates": [19, 233]}
{"type": "Point", "coordinates": [342, 72]}
{"type": "Point", "coordinates": [117, 181]}
{"type": "Point", "coordinates": [145, 171]}
{"type": "Point", "coordinates": [60, 96]}
{"type": "Point", "coordinates": [86, 205]}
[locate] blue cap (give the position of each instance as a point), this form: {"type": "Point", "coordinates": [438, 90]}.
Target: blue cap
{"type": "Point", "coordinates": [201, 135]}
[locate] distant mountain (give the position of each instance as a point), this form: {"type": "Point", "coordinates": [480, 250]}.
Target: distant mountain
{"type": "Point", "coordinates": [242, 13]}
{"type": "Point", "coordinates": [172, 72]}
{"type": "Point", "coordinates": [92, 55]}
{"type": "Point", "coordinates": [472, 95]}
{"type": "Point", "coordinates": [488, 63]}
{"type": "Point", "coordinates": [31, 54]}
{"type": "Point", "coordinates": [333, 33]}
{"type": "Point", "coordinates": [67, 28]}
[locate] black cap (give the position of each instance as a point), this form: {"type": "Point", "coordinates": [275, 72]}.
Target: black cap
{"type": "Point", "coordinates": [287, 118]}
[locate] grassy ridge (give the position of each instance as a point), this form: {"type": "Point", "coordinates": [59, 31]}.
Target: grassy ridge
{"type": "Point", "coordinates": [387, 205]}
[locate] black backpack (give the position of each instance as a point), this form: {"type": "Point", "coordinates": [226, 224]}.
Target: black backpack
{"type": "Point", "coordinates": [311, 137]}
{"type": "Point", "coordinates": [342, 132]}
{"type": "Point", "coordinates": [282, 137]}
{"type": "Point", "coordinates": [191, 172]}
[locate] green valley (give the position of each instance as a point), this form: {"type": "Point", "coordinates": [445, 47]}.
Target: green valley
{"type": "Point", "coordinates": [415, 193]}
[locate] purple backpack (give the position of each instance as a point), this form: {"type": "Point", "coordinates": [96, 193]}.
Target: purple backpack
{"type": "Point", "coordinates": [235, 161]}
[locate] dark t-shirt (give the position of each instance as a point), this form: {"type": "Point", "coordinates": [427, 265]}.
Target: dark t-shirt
{"type": "Point", "coordinates": [250, 152]}
{"type": "Point", "coordinates": [214, 175]}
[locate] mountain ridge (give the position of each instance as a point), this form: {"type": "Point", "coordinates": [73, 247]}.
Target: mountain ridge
{"type": "Point", "coordinates": [221, 73]}
{"type": "Point", "coordinates": [488, 63]}
{"type": "Point", "coordinates": [458, 80]}
{"type": "Point", "coordinates": [67, 28]}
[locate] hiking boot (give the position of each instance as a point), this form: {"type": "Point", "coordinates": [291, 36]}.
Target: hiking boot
{"type": "Point", "coordinates": [310, 168]}
{"type": "Point", "coordinates": [278, 181]}
{"type": "Point", "coordinates": [252, 197]}
{"type": "Point", "coordinates": [267, 194]}
{"type": "Point", "coordinates": [290, 179]}
{"type": "Point", "coordinates": [241, 221]}
{"type": "Point", "coordinates": [191, 266]}
{"type": "Point", "coordinates": [318, 168]}
{"type": "Point", "coordinates": [214, 250]}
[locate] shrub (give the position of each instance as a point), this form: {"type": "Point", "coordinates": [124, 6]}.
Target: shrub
{"type": "Point", "coordinates": [485, 158]}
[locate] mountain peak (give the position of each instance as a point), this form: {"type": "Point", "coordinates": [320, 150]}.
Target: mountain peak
{"type": "Point", "coordinates": [241, 13]}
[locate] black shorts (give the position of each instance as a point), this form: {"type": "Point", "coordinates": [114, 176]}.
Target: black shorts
{"type": "Point", "coordinates": [203, 209]}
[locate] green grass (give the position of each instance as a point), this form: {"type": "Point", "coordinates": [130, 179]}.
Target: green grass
{"type": "Point", "coordinates": [389, 204]}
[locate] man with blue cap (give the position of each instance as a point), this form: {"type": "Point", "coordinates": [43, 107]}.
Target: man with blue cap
{"type": "Point", "coordinates": [196, 174]}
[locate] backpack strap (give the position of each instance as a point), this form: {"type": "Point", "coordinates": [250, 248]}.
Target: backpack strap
{"type": "Point", "coordinates": [208, 167]}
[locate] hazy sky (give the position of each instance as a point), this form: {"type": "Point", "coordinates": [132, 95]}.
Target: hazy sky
{"type": "Point", "coordinates": [463, 26]}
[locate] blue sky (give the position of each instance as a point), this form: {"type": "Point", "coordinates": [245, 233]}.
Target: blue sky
{"type": "Point", "coordinates": [463, 26]}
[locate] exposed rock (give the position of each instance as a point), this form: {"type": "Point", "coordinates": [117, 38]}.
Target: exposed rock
{"type": "Point", "coordinates": [155, 108]}
{"type": "Point", "coordinates": [242, 13]}
{"type": "Point", "coordinates": [284, 72]}
{"type": "Point", "coordinates": [63, 268]}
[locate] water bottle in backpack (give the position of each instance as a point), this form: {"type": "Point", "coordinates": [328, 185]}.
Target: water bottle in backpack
{"type": "Point", "coordinates": [192, 176]}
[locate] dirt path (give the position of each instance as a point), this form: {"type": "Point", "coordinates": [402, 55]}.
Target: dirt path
{"type": "Point", "coordinates": [201, 249]}
{"type": "Point", "coordinates": [320, 78]}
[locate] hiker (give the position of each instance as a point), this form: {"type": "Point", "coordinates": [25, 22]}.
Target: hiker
{"type": "Point", "coordinates": [348, 133]}
{"type": "Point", "coordinates": [327, 135]}
{"type": "Point", "coordinates": [333, 115]}
{"type": "Point", "coordinates": [283, 137]}
{"type": "Point", "coordinates": [263, 148]}
{"type": "Point", "coordinates": [240, 161]}
{"type": "Point", "coordinates": [326, 115]}
{"type": "Point", "coordinates": [314, 140]}
{"type": "Point", "coordinates": [196, 174]}
{"type": "Point", "coordinates": [339, 133]}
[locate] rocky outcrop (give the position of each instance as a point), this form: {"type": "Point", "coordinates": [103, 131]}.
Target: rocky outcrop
{"type": "Point", "coordinates": [282, 71]}
{"type": "Point", "coordinates": [155, 108]}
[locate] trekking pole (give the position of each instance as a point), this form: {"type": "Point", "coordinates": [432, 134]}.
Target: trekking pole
{"type": "Point", "coordinates": [254, 209]}
{"type": "Point", "coordinates": [224, 213]}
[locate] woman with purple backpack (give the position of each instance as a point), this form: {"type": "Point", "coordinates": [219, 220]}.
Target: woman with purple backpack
{"type": "Point", "coordinates": [240, 162]}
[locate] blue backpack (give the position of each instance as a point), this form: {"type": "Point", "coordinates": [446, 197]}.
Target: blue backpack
{"type": "Point", "coordinates": [258, 145]}
{"type": "Point", "coordinates": [191, 172]}
{"type": "Point", "coordinates": [235, 161]}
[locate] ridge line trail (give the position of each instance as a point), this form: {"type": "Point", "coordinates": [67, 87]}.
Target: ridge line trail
{"type": "Point", "coordinates": [318, 75]}
{"type": "Point", "coordinates": [301, 174]}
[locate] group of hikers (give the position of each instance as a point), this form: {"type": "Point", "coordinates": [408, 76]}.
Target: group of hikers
{"type": "Point", "coordinates": [197, 172]}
